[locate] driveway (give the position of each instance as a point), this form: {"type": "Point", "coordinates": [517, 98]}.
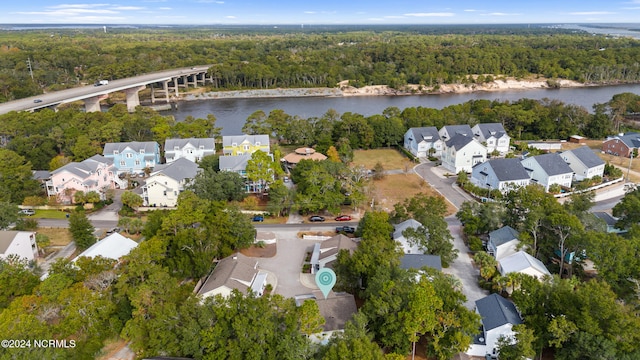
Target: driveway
{"type": "Point", "coordinates": [446, 186]}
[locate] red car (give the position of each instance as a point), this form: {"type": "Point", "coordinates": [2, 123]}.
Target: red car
{"type": "Point", "coordinates": [343, 218]}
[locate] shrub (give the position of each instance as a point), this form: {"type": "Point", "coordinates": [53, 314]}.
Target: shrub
{"type": "Point", "coordinates": [475, 244]}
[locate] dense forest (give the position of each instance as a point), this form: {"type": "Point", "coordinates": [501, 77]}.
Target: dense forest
{"type": "Point", "coordinates": [61, 58]}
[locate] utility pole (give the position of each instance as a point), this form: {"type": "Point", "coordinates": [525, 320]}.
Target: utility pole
{"type": "Point", "coordinates": [29, 66]}
{"type": "Point", "coordinates": [630, 159]}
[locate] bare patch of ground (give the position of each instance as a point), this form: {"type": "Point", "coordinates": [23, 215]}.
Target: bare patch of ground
{"type": "Point", "coordinates": [265, 251]}
{"type": "Point", "coordinates": [391, 159]}
{"type": "Point", "coordinates": [393, 189]}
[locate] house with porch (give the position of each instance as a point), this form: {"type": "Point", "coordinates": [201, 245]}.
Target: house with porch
{"type": "Point", "coordinates": [18, 243]}
{"type": "Point", "coordinates": [462, 153]}
{"type": "Point", "coordinates": [493, 136]}
{"type": "Point", "coordinates": [500, 174]}
{"type": "Point", "coordinates": [167, 181]}
{"type": "Point", "coordinates": [96, 173]}
{"type": "Point", "coordinates": [237, 272]}
{"type": "Point", "coordinates": [449, 131]}
{"type": "Point", "coordinates": [548, 169]}
{"type": "Point", "coordinates": [499, 315]}
{"type": "Point", "coordinates": [622, 144]}
{"type": "Point", "coordinates": [193, 149]}
{"type": "Point", "coordinates": [423, 141]}
{"type": "Point", "coordinates": [133, 157]}
{"type": "Point", "coordinates": [584, 163]}
{"type": "Point", "coordinates": [233, 145]}
{"type": "Point", "coordinates": [503, 242]}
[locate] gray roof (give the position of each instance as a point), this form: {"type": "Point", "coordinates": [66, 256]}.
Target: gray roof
{"type": "Point", "coordinates": [520, 261]}
{"type": "Point", "coordinates": [41, 175]}
{"type": "Point", "coordinates": [208, 143]}
{"type": "Point", "coordinates": [336, 309]}
{"type": "Point", "coordinates": [428, 134]}
{"type": "Point", "coordinates": [399, 228]}
{"type": "Point", "coordinates": [507, 169]}
{"type": "Point", "coordinates": [339, 242]}
{"type": "Point", "coordinates": [452, 130]}
{"type": "Point", "coordinates": [238, 139]}
{"type": "Point", "coordinates": [610, 220]}
{"type": "Point", "coordinates": [503, 235]}
{"type": "Point", "coordinates": [497, 311]}
{"type": "Point", "coordinates": [587, 156]}
{"type": "Point", "coordinates": [459, 141]}
{"type": "Point", "coordinates": [147, 146]}
{"type": "Point", "coordinates": [418, 261]}
{"type": "Point", "coordinates": [553, 164]}
{"type": "Point", "coordinates": [84, 168]}
{"type": "Point", "coordinates": [492, 129]}
{"type": "Point", "coordinates": [227, 273]}
{"type": "Point", "coordinates": [179, 170]}
{"type": "Point", "coordinates": [234, 162]}
{"type": "Point", "coordinates": [631, 139]}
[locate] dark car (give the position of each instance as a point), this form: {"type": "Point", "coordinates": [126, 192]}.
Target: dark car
{"type": "Point", "coordinates": [316, 218]}
{"type": "Point", "coordinates": [37, 101]}
{"type": "Point", "coordinates": [345, 229]}
{"type": "Point", "coordinates": [343, 218]}
{"type": "Point", "coordinates": [258, 218]}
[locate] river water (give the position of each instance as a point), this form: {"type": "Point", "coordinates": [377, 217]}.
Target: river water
{"type": "Point", "coordinates": [231, 114]}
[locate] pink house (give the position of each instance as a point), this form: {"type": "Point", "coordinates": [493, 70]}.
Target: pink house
{"type": "Point", "coordinates": [93, 174]}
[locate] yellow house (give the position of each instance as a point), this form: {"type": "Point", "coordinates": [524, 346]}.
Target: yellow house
{"type": "Point", "coordinates": [245, 144]}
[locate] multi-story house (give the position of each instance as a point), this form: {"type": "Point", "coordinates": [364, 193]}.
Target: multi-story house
{"type": "Point", "coordinates": [193, 149]}
{"type": "Point", "coordinates": [167, 181]}
{"type": "Point", "coordinates": [548, 169]}
{"type": "Point", "coordinates": [96, 173]}
{"type": "Point", "coordinates": [622, 144]}
{"type": "Point", "coordinates": [133, 157]}
{"type": "Point", "coordinates": [449, 131]}
{"type": "Point", "coordinates": [499, 315]}
{"type": "Point", "coordinates": [245, 144]}
{"type": "Point", "coordinates": [462, 153]}
{"type": "Point", "coordinates": [500, 174]}
{"type": "Point", "coordinates": [584, 163]}
{"type": "Point", "coordinates": [18, 243]}
{"type": "Point", "coordinates": [423, 141]}
{"type": "Point", "coordinates": [493, 136]}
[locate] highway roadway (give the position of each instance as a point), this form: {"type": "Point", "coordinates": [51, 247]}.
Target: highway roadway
{"type": "Point", "coordinates": [84, 92]}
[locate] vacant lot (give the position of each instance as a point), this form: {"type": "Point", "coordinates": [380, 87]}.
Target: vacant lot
{"type": "Point", "coordinates": [57, 236]}
{"type": "Point", "coordinates": [393, 189]}
{"type": "Point", "coordinates": [391, 159]}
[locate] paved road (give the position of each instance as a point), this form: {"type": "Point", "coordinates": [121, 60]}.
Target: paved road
{"type": "Point", "coordinates": [444, 185]}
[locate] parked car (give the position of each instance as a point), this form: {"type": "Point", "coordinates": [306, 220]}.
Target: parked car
{"type": "Point", "coordinates": [258, 218]}
{"type": "Point", "coordinates": [113, 231]}
{"type": "Point", "coordinates": [27, 212]}
{"type": "Point", "coordinates": [345, 229]}
{"type": "Point", "coordinates": [343, 218]}
{"type": "Point", "coordinates": [316, 218]}
{"type": "Point", "coordinates": [286, 179]}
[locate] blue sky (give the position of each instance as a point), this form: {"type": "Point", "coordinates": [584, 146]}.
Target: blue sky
{"type": "Point", "coordinates": [311, 12]}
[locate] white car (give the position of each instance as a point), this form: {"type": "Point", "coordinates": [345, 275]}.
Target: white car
{"type": "Point", "coordinates": [27, 212]}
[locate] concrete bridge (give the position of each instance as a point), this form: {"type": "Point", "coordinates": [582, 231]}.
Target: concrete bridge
{"type": "Point", "coordinates": [164, 84]}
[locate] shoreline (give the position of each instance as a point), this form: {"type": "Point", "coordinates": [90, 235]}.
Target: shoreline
{"type": "Point", "coordinates": [343, 90]}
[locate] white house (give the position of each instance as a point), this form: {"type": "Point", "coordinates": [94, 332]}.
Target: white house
{"type": "Point", "coordinates": [493, 136]}
{"type": "Point", "coordinates": [167, 181]}
{"type": "Point", "coordinates": [501, 174]}
{"type": "Point", "coordinates": [498, 318]}
{"type": "Point", "coordinates": [336, 309]}
{"type": "Point", "coordinates": [449, 131]}
{"type": "Point", "coordinates": [584, 163]}
{"type": "Point", "coordinates": [19, 243]}
{"type": "Point", "coordinates": [113, 247]}
{"type": "Point", "coordinates": [399, 237]}
{"type": "Point", "coordinates": [234, 272]}
{"type": "Point", "coordinates": [326, 252]}
{"type": "Point", "coordinates": [420, 141]}
{"type": "Point", "coordinates": [193, 149]}
{"type": "Point", "coordinates": [462, 152]}
{"type": "Point", "coordinates": [523, 263]}
{"type": "Point", "coordinates": [548, 169]}
{"type": "Point", "coordinates": [503, 242]}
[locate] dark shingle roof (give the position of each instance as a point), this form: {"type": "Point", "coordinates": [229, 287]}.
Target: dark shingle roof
{"type": "Point", "coordinates": [497, 311]}
{"type": "Point", "coordinates": [234, 272]}
{"type": "Point", "coordinates": [587, 156]}
{"type": "Point", "coordinates": [179, 170]}
{"type": "Point", "coordinates": [429, 134]}
{"type": "Point", "coordinates": [553, 164]}
{"type": "Point", "coordinates": [459, 141]}
{"type": "Point", "coordinates": [492, 129]}
{"type": "Point", "coordinates": [452, 130]}
{"type": "Point", "coordinates": [503, 235]}
{"type": "Point", "coordinates": [508, 169]}
{"type": "Point", "coordinates": [631, 139]}
{"type": "Point", "coordinates": [418, 261]}
{"type": "Point", "coordinates": [610, 220]}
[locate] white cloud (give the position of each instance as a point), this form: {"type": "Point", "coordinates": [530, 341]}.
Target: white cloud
{"type": "Point", "coordinates": [592, 13]}
{"type": "Point", "coordinates": [471, 10]}
{"type": "Point", "coordinates": [165, 8]}
{"type": "Point", "coordinates": [394, 17]}
{"type": "Point", "coordinates": [230, 17]}
{"type": "Point", "coordinates": [438, 14]}
{"type": "Point", "coordinates": [127, 8]}
{"type": "Point", "coordinates": [310, 12]}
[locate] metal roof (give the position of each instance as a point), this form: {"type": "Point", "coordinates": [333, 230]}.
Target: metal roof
{"type": "Point", "coordinates": [497, 311]}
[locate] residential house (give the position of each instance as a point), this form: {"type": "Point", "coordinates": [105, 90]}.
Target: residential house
{"type": "Point", "coordinates": [423, 141]}
{"type": "Point", "coordinates": [503, 242]}
{"type": "Point", "coordinates": [499, 315]}
{"type": "Point", "coordinates": [463, 152]}
{"type": "Point", "coordinates": [193, 149]}
{"type": "Point", "coordinates": [337, 309]}
{"type": "Point", "coordinates": [245, 144]}
{"type": "Point", "coordinates": [399, 237]}
{"type": "Point", "coordinates": [167, 181]}
{"type": "Point", "coordinates": [500, 174]}
{"type": "Point", "coordinates": [238, 164]}
{"type": "Point", "coordinates": [234, 272]}
{"type": "Point", "coordinates": [292, 159]}
{"type": "Point", "coordinates": [493, 136]}
{"type": "Point", "coordinates": [584, 163]}
{"type": "Point", "coordinates": [96, 173]}
{"type": "Point", "coordinates": [522, 263]}
{"type": "Point", "coordinates": [133, 157]}
{"type": "Point", "coordinates": [622, 144]}
{"type": "Point", "coordinates": [548, 169]}
{"type": "Point", "coordinates": [418, 261]}
{"type": "Point", "coordinates": [42, 177]}
{"type": "Point", "coordinates": [448, 132]}
{"type": "Point", "coordinates": [18, 243]}
{"type": "Point", "coordinates": [326, 252]}
{"type": "Point", "coordinates": [610, 222]}
{"type": "Point", "coordinates": [113, 247]}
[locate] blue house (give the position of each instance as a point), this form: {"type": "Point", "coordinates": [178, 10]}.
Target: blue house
{"type": "Point", "coordinates": [133, 157]}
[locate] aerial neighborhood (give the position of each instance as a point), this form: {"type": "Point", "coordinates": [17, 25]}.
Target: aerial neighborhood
{"type": "Point", "coordinates": [487, 229]}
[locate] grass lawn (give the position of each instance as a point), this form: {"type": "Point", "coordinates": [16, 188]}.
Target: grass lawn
{"type": "Point", "coordinates": [393, 189]}
{"type": "Point", "coordinates": [391, 159]}
{"type": "Point", "coordinates": [57, 236]}
{"type": "Point", "coordinates": [49, 214]}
